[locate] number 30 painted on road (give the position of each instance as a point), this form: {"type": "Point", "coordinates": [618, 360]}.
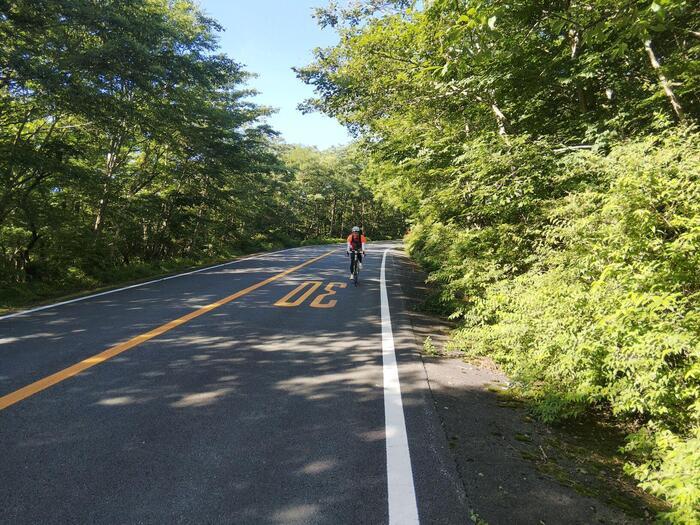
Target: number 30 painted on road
{"type": "Point", "coordinates": [309, 287]}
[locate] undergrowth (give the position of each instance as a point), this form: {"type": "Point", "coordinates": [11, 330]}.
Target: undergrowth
{"type": "Point", "coordinates": [593, 300]}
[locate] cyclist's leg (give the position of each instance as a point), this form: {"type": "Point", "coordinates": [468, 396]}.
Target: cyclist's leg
{"type": "Point", "coordinates": [352, 262]}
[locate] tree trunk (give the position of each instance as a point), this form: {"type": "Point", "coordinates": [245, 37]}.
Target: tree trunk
{"type": "Point", "coordinates": [110, 168]}
{"type": "Point", "coordinates": [575, 39]}
{"type": "Point", "coordinates": [102, 206]}
{"type": "Point", "coordinates": [23, 263]}
{"type": "Point", "coordinates": [665, 84]}
{"type": "Point", "coordinates": [501, 119]}
{"type": "Point", "coordinates": [331, 232]}
{"type": "Point", "coordinates": [5, 199]}
{"type": "Point", "coordinates": [195, 231]}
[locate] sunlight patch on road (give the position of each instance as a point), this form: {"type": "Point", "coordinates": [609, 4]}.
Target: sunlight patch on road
{"type": "Point", "coordinates": [8, 340]}
{"type": "Point", "coordinates": [116, 401]}
{"type": "Point", "coordinates": [318, 467]}
{"type": "Point", "coordinates": [201, 399]}
{"type": "Point", "coordinates": [296, 514]}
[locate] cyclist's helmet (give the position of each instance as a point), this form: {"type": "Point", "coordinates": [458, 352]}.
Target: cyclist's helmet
{"type": "Point", "coordinates": [355, 229]}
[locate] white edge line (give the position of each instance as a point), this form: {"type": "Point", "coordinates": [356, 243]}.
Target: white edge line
{"type": "Point", "coordinates": [54, 305]}
{"type": "Point", "coordinates": [403, 509]}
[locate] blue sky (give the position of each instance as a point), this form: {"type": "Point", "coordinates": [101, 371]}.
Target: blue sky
{"type": "Point", "coordinates": [270, 37]}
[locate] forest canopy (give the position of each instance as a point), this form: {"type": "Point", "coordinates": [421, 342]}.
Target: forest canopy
{"type": "Point", "coordinates": [130, 144]}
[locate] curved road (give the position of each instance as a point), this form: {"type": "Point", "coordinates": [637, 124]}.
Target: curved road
{"type": "Point", "coordinates": [259, 391]}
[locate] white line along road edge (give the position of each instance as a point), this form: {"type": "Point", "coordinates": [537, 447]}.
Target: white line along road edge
{"type": "Point", "coordinates": [54, 305]}
{"type": "Point", "coordinates": [403, 509]}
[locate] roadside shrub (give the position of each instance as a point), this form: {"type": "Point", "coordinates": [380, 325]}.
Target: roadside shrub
{"type": "Point", "coordinates": [607, 313]}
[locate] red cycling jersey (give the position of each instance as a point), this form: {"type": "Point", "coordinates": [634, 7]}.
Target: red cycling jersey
{"type": "Point", "coordinates": [356, 242]}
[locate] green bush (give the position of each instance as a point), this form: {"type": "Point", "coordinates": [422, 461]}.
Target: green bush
{"type": "Point", "coordinates": [606, 311]}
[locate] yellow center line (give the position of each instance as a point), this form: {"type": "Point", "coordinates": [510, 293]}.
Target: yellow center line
{"type": "Point", "coordinates": [33, 388]}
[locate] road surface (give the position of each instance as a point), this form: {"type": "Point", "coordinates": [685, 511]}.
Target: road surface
{"type": "Point", "coordinates": [266, 390]}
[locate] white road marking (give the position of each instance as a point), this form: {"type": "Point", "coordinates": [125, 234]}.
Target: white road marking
{"type": "Point", "coordinates": [403, 509]}
{"type": "Point", "coordinates": [32, 310]}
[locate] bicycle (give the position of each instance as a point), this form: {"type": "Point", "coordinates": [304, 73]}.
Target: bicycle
{"type": "Point", "coordinates": [355, 266]}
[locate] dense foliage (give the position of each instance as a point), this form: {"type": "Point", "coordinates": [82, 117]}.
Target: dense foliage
{"type": "Point", "coordinates": [549, 156]}
{"type": "Point", "coordinates": [326, 197]}
{"type": "Point", "coordinates": [128, 141]}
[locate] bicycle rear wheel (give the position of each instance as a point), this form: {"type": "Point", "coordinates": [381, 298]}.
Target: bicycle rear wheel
{"type": "Point", "coordinates": [355, 267]}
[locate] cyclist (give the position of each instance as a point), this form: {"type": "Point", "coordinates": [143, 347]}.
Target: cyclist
{"type": "Point", "coordinates": [356, 243]}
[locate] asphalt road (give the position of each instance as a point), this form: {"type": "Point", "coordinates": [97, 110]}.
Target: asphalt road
{"type": "Point", "coordinates": [217, 403]}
